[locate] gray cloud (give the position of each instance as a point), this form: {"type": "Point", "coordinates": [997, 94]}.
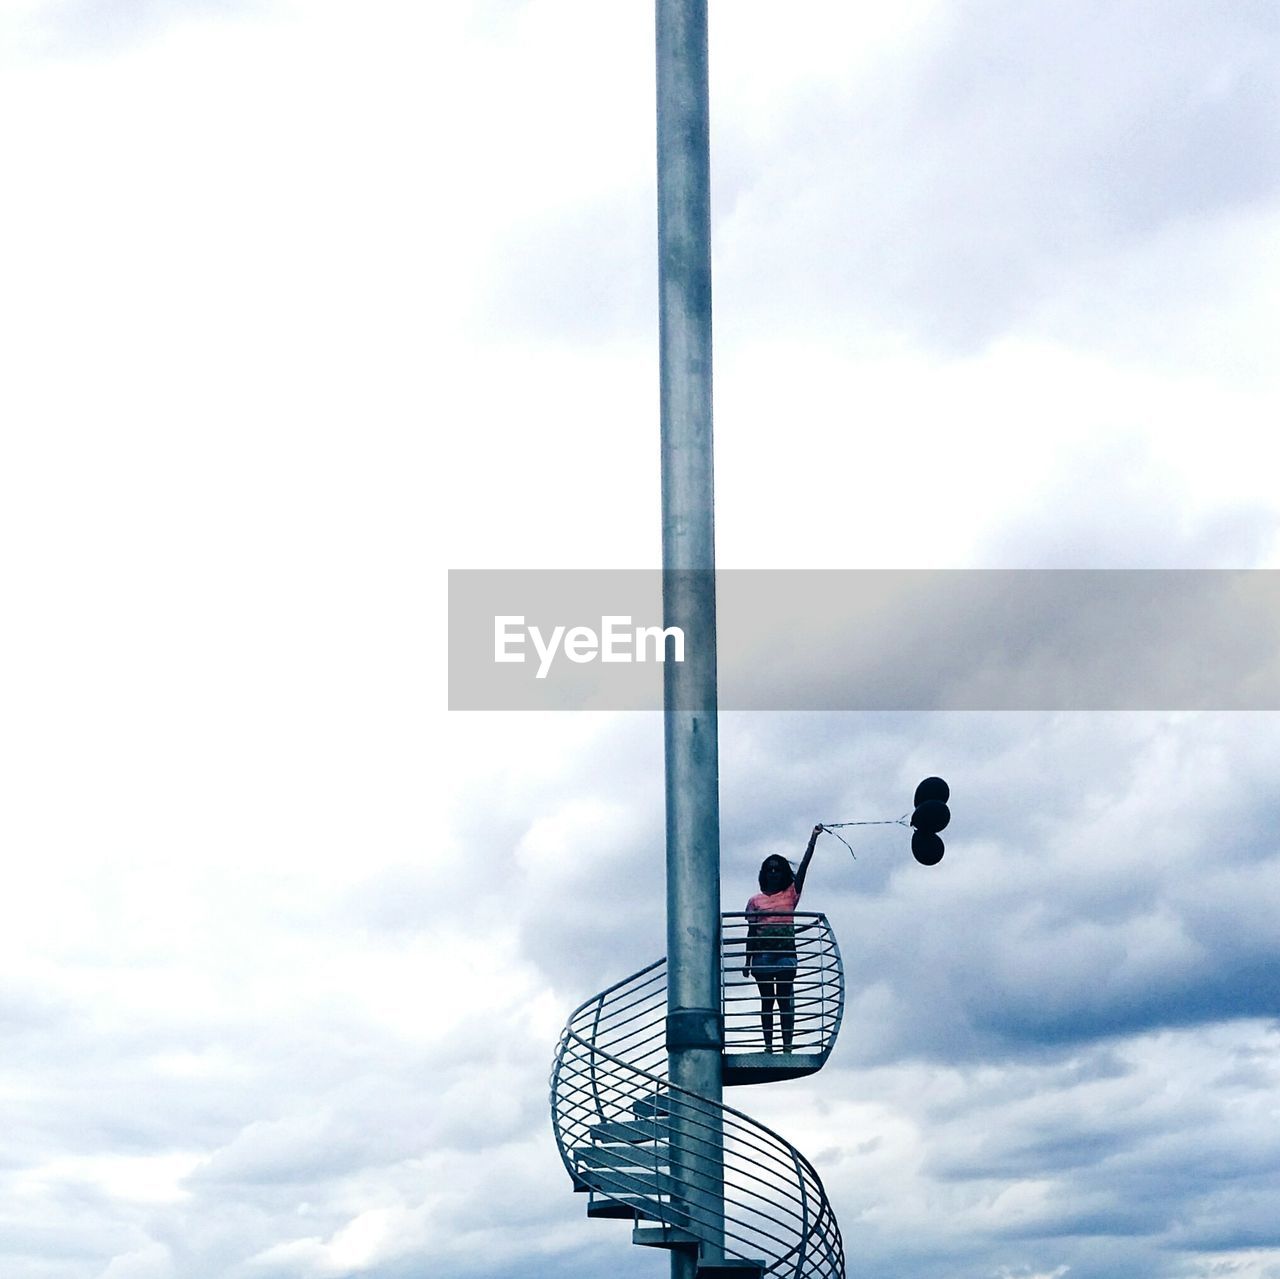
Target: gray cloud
{"type": "Point", "coordinates": [1150, 911]}
{"type": "Point", "coordinates": [1121, 1152]}
{"type": "Point", "coordinates": [1126, 1071]}
{"type": "Point", "coordinates": [1030, 977]}
{"type": "Point", "coordinates": [1107, 891]}
{"type": "Point", "coordinates": [948, 199]}
{"type": "Point", "coordinates": [1127, 509]}
{"type": "Point", "coordinates": [955, 191]}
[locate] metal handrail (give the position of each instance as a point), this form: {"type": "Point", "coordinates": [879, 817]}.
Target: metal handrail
{"type": "Point", "coordinates": [816, 992]}
{"type": "Point", "coordinates": [782, 1233]}
{"type": "Point", "coordinates": [619, 1121]}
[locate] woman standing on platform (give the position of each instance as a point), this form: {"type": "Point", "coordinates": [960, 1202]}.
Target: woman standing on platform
{"type": "Point", "coordinates": [771, 941]}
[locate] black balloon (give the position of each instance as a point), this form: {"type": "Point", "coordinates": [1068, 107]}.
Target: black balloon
{"type": "Point", "coordinates": [931, 788]}
{"type": "Point", "coordinates": [933, 816]}
{"type": "Point", "coordinates": [926, 847]}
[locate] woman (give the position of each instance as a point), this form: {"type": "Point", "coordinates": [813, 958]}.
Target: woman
{"type": "Point", "coordinates": [771, 940]}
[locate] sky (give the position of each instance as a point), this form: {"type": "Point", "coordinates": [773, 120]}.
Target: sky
{"type": "Point", "coordinates": [305, 304]}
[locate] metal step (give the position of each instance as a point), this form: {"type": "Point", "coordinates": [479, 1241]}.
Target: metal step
{"type": "Point", "coordinates": [663, 1237]}
{"type": "Point", "coordinates": [629, 1130]}
{"type": "Point", "coordinates": [626, 1181]}
{"type": "Point", "coordinates": [649, 1107]}
{"type": "Point", "coordinates": [620, 1209]}
{"type": "Point", "coordinates": [622, 1156]}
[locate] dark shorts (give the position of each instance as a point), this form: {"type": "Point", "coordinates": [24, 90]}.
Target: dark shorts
{"type": "Point", "coordinates": [773, 965]}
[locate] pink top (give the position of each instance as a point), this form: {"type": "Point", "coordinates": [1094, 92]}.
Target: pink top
{"type": "Point", "coordinates": [775, 908]}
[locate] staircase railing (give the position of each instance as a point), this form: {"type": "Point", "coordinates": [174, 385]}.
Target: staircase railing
{"type": "Point", "coordinates": [625, 1131]}
{"type": "Point", "coordinates": [817, 990]}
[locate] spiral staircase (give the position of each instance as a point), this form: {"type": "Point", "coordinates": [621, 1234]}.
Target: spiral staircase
{"type": "Point", "coordinates": [689, 1173]}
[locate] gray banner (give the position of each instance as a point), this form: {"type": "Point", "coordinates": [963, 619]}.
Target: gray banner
{"type": "Point", "coordinates": [876, 639]}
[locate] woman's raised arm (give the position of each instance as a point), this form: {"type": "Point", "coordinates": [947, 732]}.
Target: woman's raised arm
{"type": "Point", "coordinates": [808, 857]}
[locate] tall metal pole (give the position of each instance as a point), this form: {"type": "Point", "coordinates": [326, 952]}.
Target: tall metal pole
{"type": "Point", "coordinates": [695, 1027]}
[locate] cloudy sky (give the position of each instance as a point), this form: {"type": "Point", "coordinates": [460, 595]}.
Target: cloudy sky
{"type": "Point", "coordinates": [305, 303]}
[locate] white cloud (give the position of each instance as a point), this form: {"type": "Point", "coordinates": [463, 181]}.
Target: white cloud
{"type": "Point", "coordinates": [152, 1261]}
{"type": "Point", "coordinates": [378, 1235]}
{"type": "Point", "coordinates": [1244, 1263]}
{"type": "Point", "coordinates": [135, 1178]}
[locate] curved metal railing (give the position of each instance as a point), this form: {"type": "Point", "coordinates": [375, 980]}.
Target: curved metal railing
{"type": "Point", "coordinates": [642, 1146]}
{"type": "Point", "coordinates": [815, 996]}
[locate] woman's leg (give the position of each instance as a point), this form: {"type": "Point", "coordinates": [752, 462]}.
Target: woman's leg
{"type": "Point", "coordinates": [766, 1011]}
{"type": "Point", "coordinates": [786, 1011]}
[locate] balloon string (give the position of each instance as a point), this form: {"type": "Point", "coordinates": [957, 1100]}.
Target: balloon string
{"type": "Point", "coordinates": [831, 826]}
{"type": "Point", "coordinates": [896, 821]}
{"type": "Point", "coordinates": [844, 841]}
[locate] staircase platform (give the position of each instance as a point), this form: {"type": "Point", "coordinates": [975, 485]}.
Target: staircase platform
{"type": "Point", "coordinates": [768, 1068]}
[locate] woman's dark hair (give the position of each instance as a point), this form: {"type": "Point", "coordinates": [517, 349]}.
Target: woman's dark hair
{"type": "Point", "coordinates": [775, 861]}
